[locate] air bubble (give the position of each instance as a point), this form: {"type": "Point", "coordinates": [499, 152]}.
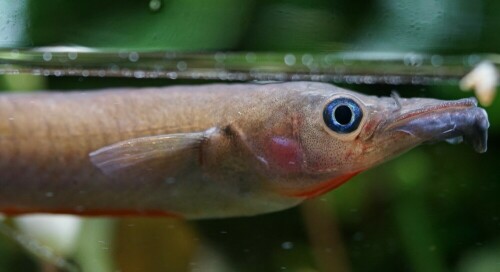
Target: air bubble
{"type": "Point", "coordinates": [220, 56]}
{"type": "Point", "coordinates": [250, 57]}
{"type": "Point", "coordinates": [290, 59]}
{"type": "Point", "coordinates": [413, 60]}
{"type": "Point", "coordinates": [154, 5]}
{"type": "Point", "coordinates": [182, 66]}
{"type": "Point", "coordinates": [47, 56]}
{"type": "Point", "coordinates": [72, 55]}
{"type": "Point", "coordinates": [172, 75]}
{"type": "Point", "coordinates": [133, 56]}
{"type": "Point", "coordinates": [139, 74]}
{"type": "Point", "coordinates": [307, 59]}
{"type": "Point", "coordinates": [472, 60]}
{"type": "Point", "coordinates": [126, 73]}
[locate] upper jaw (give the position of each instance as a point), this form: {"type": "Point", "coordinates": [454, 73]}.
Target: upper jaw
{"type": "Point", "coordinates": [434, 120]}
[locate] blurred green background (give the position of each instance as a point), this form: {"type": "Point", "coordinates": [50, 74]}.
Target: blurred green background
{"type": "Point", "coordinates": [436, 208]}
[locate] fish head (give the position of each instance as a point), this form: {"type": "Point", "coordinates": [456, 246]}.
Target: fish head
{"type": "Point", "coordinates": [334, 133]}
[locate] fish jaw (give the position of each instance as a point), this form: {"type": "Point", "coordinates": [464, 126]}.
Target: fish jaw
{"type": "Point", "coordinates": [442, 121]}
{"type": "Point", "coordinates": [418, 121]}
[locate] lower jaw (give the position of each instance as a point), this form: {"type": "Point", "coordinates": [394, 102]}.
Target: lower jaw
{"type": "Point", "coordinates": [324, 187]}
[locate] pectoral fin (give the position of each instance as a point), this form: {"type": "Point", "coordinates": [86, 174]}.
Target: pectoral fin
{"type": "Point", "coordinates": [148, 157]}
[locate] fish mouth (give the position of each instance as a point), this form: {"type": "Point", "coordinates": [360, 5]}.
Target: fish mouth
{"type": "Point", "coordinates": [451, 121]}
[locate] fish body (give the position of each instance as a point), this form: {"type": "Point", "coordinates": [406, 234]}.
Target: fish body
{"type": "Point", "coordinates": [206, 151]}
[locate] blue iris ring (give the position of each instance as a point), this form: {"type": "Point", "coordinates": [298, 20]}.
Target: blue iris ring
{"type": "Point", "coordinates": [342, 115]}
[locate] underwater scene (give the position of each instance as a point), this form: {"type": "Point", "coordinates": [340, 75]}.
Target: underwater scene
{"type": "Point", "coordinates": [414, 186]}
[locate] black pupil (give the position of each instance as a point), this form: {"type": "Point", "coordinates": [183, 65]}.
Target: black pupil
{"type": "Point", "coordinates": [343, 114]}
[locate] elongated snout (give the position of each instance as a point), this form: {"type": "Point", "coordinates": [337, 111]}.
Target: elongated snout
{"type": "Point", "coordinates": [445, 120]}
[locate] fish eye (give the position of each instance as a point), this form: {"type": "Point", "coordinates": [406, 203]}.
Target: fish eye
{"type": "Point", "coordinates": [342, 115]}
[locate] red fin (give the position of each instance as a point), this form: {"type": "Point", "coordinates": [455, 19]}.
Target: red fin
{"type": "Point", "coordinates": [110, 213]}
{"type": "Point", "coordinates": [325, 187]}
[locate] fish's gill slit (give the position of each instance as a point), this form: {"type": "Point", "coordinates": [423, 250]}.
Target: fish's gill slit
{"type": "Point", "coordinates": [229, 131]}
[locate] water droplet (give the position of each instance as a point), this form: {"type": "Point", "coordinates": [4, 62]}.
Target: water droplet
{"type": "Point", "coordinates": [72, 55]}
{"type": "Point", "coordinates": [114, 68]}
{"type": "Point", "coordinates": [154, 5]}
{"type": "Point", "coordinates": [139, 74]}
{"type": "Point", "coordinates": [182, 66]}
{"type": "Point", "coordinates": [287, 245]}
{"type": "Point", "coordinates": [195, 75]}
{"type": "Point", "coordinates": [172, 75]}
{"type": "Point", "coordinates": [412, 60]}
{"type": "Point", "coordinates": [290, 59]}
{"type": "Point", "coordinates": [369, 80]}
{"type": "Point", "coordinates": [251, 57]}
{"type": "Point", "coordinates": [220, 56]}
{"type": "Point", "coordinates": [126, 73]}
{"type": "Point", "coordinates": [47, 56]}
{"type": "Point", "coordinates": [307, 59]}
{"type": "Point", "coordinates": [133, 56]}
{"type": "Point", "coordinates": [472, 60]}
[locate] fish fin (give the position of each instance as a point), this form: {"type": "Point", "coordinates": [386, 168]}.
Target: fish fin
{"type": "Point", "coordinates": [145, 157]}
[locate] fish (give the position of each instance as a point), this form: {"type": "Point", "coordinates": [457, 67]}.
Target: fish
{"type": "Point", "coordinates": [208, 151]}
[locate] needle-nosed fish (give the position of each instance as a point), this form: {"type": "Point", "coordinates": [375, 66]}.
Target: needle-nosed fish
{"type": "Point", "coordinates": [207, 151]}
